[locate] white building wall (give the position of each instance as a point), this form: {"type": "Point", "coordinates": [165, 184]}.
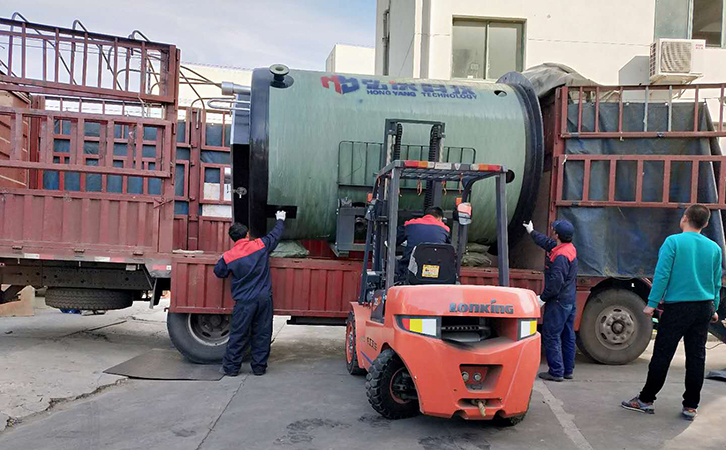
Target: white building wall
{"type": "Point", "coordinates": [330, 61]}
{"type": "Point", "coordinates": [607, 42]}
{"type": "Point", "coordinates": [351, 59]}
{"type": "Point", "coordinates": [217, 74]}
{"type": "Point", "coordinates": [405, 33]}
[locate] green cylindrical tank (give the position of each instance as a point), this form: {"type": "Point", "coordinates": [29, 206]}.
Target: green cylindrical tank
{"type": "Point", "coordinates": [317, 137]}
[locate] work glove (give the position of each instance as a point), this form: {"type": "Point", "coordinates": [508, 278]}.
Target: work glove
{"type": "Point", "coordinates": [529, 227]}
{"type": "Point", "coordinates": [280, 215]}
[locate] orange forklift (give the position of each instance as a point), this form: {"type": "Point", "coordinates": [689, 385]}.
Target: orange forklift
{"type": "Point", "coordinates": [428, 343]}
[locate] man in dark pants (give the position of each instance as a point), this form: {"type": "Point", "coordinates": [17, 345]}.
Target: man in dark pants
{"type": "Point", "coordinates": [249, 263]}
{"type": "Point", "coordinates": [688, 280]}
{"type": "Point", "coordinates": [558, 323]}
{"type": "Point", "coordinates": [428, 229]}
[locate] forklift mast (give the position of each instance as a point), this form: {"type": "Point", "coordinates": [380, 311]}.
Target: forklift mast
{"type": "Point", "coordinates": [382, 211]}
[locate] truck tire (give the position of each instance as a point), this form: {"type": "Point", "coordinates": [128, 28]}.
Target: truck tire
{"type": "Point", "coordinates": [718, 329]}
{"type": "Point", "coordinates": [201, 338]}
{"type": "Point", "coordinates": [351, 355]}
{"type": "Point", "coordinates": [87, 299]}
{"type": "Point", "coordinates": [385, 376]}
{"type": "Point", "coordinates": [614, 329]}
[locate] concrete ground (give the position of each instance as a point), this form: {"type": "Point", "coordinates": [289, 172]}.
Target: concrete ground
{"type": "Point", "coordinates": [53, 394]}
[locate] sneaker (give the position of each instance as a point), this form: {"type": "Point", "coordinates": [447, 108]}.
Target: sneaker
{"type": "Point", "coordinates": [634, 404]}
{"type": "Point", "coordinates": [228, 374]}
{"type": "Point", "coordinates": [689, 413]}
{"type": "Point", "coordinates": [259, 373]}
{"type": "Point", "coordinates": [569, 376]}
{"type": "Point", "coordinates": [549, 377]}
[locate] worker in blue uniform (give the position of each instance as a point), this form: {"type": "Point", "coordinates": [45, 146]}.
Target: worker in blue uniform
{"type": "Point", "coordinates": [559, 295]}
{"type": "Point", "coordinates": [428, 229]}
{"type": "Point", "coordinates": [249, 264]}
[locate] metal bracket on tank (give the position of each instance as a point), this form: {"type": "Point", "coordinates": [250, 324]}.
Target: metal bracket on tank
{"type": "Point", "coordinates": [347, 218]}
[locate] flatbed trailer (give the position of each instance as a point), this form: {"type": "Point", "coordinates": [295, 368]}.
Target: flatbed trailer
{"type": "Point", "coordinates": [92, 154]}
{"type": "Point", "coordinates": [611, 329]}
{"type": "Point", "coordinates": [106, 187]}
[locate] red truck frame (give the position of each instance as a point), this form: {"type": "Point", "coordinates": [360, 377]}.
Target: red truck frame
{"type": "Point", "coordinates": [91, 174]}
{"type": "Point", "coordinates": [319, 289]}
{"type": "Point", "coordinates": [94, 144]}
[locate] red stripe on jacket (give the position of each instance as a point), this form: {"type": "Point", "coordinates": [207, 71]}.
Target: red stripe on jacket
{"type": "Point", "coordinates": [242, 248]}
{"type": "Point", "coordinates": [427, 220]}
{"type": "Point", "coordinates": [566, 249]}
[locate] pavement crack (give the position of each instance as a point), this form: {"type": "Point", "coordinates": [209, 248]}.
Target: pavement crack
{"type": "Point", "coordinates": [88, 330]}
{"type": "Point", "coordinates": [278, 333]}
{"type": "Point", "coordinates": [214, 424]}
{"type": "Point", "coordinates": [55, 401]}
{"type": "Point", "coordinates": [137, 319]}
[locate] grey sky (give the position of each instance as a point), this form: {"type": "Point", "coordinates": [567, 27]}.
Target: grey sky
{"type": "Point", "coordinates": [244, 33]}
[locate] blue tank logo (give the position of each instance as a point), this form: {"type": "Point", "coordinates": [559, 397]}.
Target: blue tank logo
{"type": "Point", "coordinates": [343, 85]}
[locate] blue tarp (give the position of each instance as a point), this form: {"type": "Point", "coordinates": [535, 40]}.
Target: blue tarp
{"type": "Point", "coordinates": [624, 242]}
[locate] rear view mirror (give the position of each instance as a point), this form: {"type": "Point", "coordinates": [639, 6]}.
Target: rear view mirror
{"type": "Point", "coordinates": [464, 213]}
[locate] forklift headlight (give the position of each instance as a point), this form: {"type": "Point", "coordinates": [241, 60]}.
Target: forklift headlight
{"type": "Point", "coordinates": [527, 328]}
{"type": "Point", "coordinates": [420, 325]}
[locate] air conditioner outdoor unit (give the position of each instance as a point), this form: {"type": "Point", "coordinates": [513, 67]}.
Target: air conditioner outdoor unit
{"type": "Point", "coordinates": [676, 61]}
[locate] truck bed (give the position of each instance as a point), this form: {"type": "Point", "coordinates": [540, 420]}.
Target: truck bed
{"type": "Point", "coordinates": [302, 287]}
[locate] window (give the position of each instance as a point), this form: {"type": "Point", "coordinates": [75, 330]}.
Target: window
{"type": "Point", "coordinates": [486, 49]}
{"type": "Point", "coordinates": [708, 21]}
{"type": "Point", "coordinates": [691, 19]}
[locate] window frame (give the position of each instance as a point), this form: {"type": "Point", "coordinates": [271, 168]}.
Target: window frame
{"type": "Point", "coordinates": [691, 17]}
{"type": "Point", "coordinates": [486, 22]}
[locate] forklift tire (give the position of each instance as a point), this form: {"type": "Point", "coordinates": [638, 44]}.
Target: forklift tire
{"type": "Point", "coordinates": [351, 355]}
{"type": "Point", "coordinates": [385, 370]}
{"type": "Point", "coordinates": [514, 420]}
{"type": "Point", "coordinates": [613, 329]}
{"type": "Point", "coordinates": [87, 299]}
{"type": "Point", "coordinates": [509, 421]}
{"type": "Point", "coordinates": [201, 338]}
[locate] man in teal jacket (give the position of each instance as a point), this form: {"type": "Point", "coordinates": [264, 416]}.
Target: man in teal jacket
{"type": "Point", "coordinates": [688, 280]}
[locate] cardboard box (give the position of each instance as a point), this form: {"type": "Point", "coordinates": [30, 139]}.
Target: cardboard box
{"type": "Point", "coordinates": [21, 308]}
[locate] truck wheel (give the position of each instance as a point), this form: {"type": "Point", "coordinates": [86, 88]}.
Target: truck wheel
{"type": "Point", "coordinates": [201, 338]}
{"type": "Point", "coordinates": [719, 329]}
{"type": "Point", "coordinates": [390, 388]}
{"type": "Point", "coordinates": [613, 329]}
{"type": "Point", "coordinates": [351, 356]}
{"type": "Point", "coordinates": [87, 299]}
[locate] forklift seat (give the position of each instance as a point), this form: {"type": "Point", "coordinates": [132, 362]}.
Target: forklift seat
{"type": "Point", "coordinates": [432, 264]}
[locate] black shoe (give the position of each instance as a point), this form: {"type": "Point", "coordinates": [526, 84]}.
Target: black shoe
{"type": "Point", "coordinates": [569, 376]}
{"type": "Point", "coordinates": [228, 374]}
{"type": "Point", "coordinates": [549, 377]}
{"type": "Point", "coordinates": [259, 373]}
